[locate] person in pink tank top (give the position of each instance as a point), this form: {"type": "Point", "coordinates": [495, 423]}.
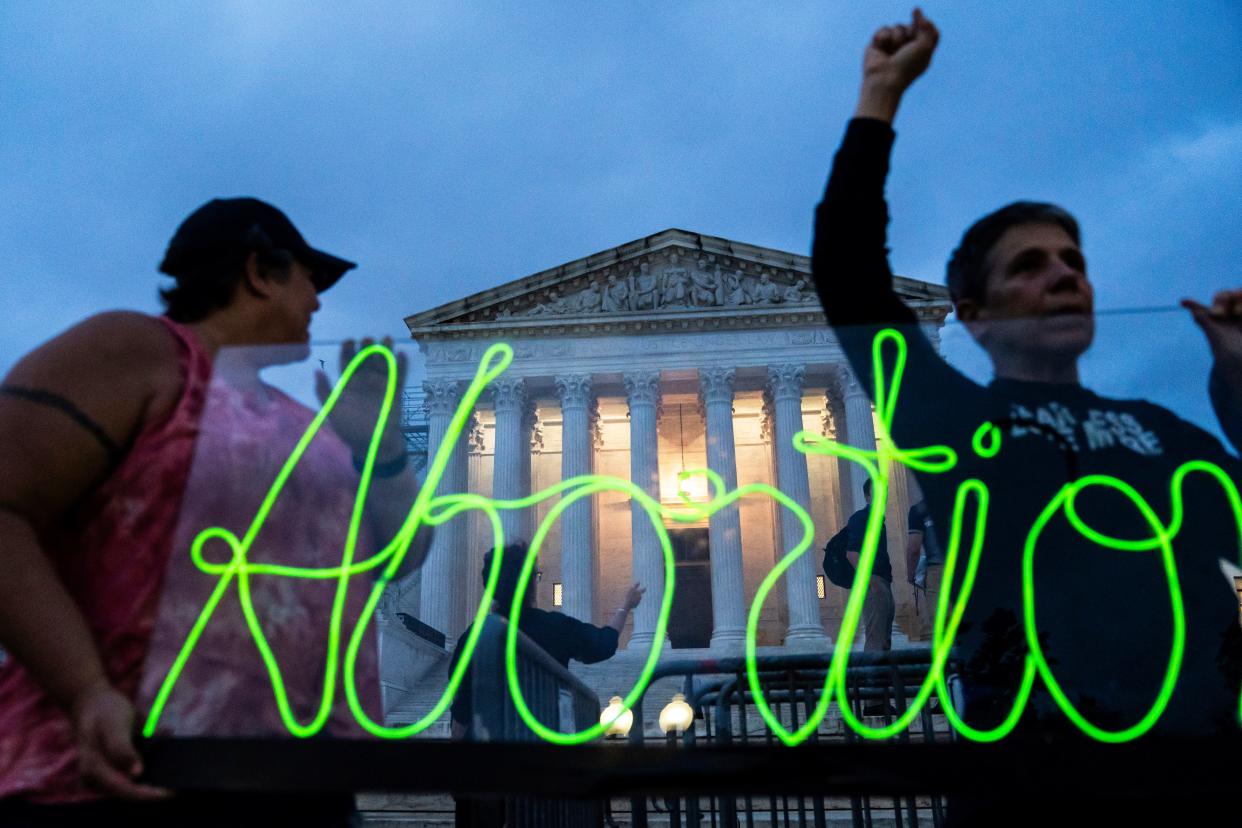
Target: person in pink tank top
{"type": "Point", "coordinates": [98, 435]}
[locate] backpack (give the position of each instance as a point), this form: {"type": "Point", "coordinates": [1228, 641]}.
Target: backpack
{"type": "Point", "coordinates": [836, 566]}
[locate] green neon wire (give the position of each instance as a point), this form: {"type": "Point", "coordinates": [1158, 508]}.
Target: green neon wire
{"type": "Point", "coordinates": [1063, 501]}
{"type": "Point", "coordinates": [653, 509]}
{"type": "Point", "coordinates": [430, 509]}
{"type": "Point", "coordinates": [495, 360]}
{"type": "Point", "coordinates": [238, 563]}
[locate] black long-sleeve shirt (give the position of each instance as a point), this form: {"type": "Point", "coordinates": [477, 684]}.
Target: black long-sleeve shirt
{"type": "Point", "coordinates": [1103, 616]}
{"type": "Point", "coordinates": [562, 637]}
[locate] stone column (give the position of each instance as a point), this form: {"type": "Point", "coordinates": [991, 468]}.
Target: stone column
{"type": "Point", "coordinates": [642, 391]}
{"type": "Point", "coordinates": [512, 452]}
{"type": "Point", "coordinates": [897, 515]}
{"type": "Point", "coordinates": [860, 433]}
{"type": "Point", "coordinates": [436, 587]}
{"type": "Point", "coordinates": [577, 555]}
{"type": "Point", "coordinates": [724, 526]}
{"type": "Point", "coordinates": [459, 542]}
{"type": "Point", "coordinates": [785, 386]}
{"type": "Point", "coordinates": [532, 441]}
{"type": "Point", "coordinates": [477, 543]}
{"type": "Point", "coordinates": [833, 420]}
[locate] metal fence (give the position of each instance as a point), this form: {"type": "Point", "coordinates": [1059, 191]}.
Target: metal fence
{"type": "Point", "coordinates": [725, 714]}
{"type": "Point", "coordinates": [554, 695]}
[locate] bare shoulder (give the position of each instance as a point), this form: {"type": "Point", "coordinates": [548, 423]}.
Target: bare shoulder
{"type": "Point", "coordinates": [119, 368]}
{"type": "Point", "coordinates": [121, 333]}
{"type": "Point", "coordinates": [75, 401]}
{"type": "Point", "coordinates": [121, 349]}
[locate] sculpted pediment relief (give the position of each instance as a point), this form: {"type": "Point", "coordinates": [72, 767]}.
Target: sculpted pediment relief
{"type": "Point", "coordinates": [671, 280]}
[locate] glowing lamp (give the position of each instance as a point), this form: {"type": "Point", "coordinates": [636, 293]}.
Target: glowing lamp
{"type": "Point", "coordinates": [677, 715]}
{"type": "Point", "coordinates": [621, 718]}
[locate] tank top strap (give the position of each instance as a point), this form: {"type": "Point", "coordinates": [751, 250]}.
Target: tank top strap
{"type": "Point", "coordinates": [194, 365]}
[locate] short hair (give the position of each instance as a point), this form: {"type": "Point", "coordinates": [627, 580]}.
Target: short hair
{"type": "Point", "coordinates": [208, 285]}
{"type": "Point", "coordinates": [511, 561]}
{"type": "Point", "coordinates": [966, 275]}
{"type": "Point", "coordinates": [867, 487]}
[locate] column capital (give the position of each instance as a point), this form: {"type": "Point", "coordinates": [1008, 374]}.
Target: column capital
{"type": "Point", "coordinates": [716, 385]}
{"type": "Point", "coordinates": [574, 390]}
{"type": "Point", "coordinates": [441, 396]}
{"type": "Point", "coordinates": [642, 387]}
{"type": "Point", "coordinates": [849, 384]}
{"type": "Point", "coordinates": [786, 380]}
{"type": "Point", "coordinates": [509, 394]}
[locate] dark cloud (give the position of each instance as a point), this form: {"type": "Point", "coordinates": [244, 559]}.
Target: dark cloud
{"type": "Point", "coordinates": [450, 147]}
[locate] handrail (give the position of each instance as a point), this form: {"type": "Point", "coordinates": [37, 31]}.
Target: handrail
{"type": "Point", "coordinates": [490, 683]}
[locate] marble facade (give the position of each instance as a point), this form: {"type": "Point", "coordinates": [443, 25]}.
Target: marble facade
{"type": "Point", "coordinates": [674, 351]}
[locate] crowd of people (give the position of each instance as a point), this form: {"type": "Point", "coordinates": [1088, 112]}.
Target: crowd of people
{"type": "Point", "coordinates": [98, 429]}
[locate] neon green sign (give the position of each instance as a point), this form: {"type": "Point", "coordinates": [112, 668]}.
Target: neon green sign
{"type": "Point", "coordinates": [432, 510]}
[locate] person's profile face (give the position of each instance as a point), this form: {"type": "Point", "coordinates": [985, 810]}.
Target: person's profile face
{"type": "Point", "coordinates": [289, 301]}
{"type": "Point", "coordinates": [299, 300]}
{"type": "Point", "coordinates": [1038, 299]}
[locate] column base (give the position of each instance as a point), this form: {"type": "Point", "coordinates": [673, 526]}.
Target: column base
{"type": "Point", "coordinates": [807, 636]}
{"type": "Point", "coordinates": [729, 639]}
{"type": "Point", "coordinates": [643, 641]}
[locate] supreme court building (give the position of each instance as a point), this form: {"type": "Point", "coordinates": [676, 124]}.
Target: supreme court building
{"type": "Point", "coordinates": [674, 352]}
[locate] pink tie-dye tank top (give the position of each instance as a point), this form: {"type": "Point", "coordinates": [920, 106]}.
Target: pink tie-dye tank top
{"type": "Point", "coordinates": [124, 558]}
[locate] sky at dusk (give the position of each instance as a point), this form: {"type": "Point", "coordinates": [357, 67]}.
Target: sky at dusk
{"type": "Point", "coordinates": [451, 147]}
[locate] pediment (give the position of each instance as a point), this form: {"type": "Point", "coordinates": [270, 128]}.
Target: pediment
{"type": "Point", "coordinates": [671, 275]}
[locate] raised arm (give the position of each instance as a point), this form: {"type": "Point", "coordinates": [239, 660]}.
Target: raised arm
{"type": "Point", "coordinates": [393, 484]}
{"type": "Point", "coordinates": [66, 412]}
{"type": "Point", "coordinates": [633, 597]}
{"type": "Point", "coordinates": [849, 254]}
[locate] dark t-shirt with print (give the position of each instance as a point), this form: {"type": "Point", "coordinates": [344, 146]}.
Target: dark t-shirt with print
{"type": "Point", "coordinates": [1104, 617]}
{"type": "Point", "coordinates": [857, 527]}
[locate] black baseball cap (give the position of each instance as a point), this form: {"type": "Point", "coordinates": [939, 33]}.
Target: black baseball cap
{"type": "Point", "coordinates": [227, 229]}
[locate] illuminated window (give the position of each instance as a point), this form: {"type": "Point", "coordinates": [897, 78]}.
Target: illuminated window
{"type": "Point", "coordinates": [820, 588]}
{"type": "Point", "coordinates": [558, 595]}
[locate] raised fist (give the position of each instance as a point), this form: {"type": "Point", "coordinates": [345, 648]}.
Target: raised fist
{"type": "Point", "coordinates": [898, 54]}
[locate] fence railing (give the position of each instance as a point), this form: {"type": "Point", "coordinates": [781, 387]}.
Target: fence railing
{"type": "Point", "coordinates": [877, 684]}
{"type": "Point", "coordinates": [728, 769]}
{"type": "Point", "coordinates": [555, 696]}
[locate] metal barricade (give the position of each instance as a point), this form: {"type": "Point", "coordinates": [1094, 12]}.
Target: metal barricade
{"type": "Point", "coordinates": [556, 697]}
{"type": "Point", "coordinates": [725, 714]}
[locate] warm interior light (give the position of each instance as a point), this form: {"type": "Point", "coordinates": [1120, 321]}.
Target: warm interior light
{"type": "Point", "coordinates": [693, 486]}
{"type": "Point", "coordinates": [676, 715]}
{"type": "Point", "coordinates": [821, 589]}
{"type": "Point", "coordinates": [622, 719]}
{"type": "Point", "coordinates": [558, 595]}
{"type": "Point", "coordinates": [683, 486]}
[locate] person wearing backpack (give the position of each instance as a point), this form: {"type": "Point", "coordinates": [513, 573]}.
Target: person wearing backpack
{"type": "Point", "coordinates": [841, 560]}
